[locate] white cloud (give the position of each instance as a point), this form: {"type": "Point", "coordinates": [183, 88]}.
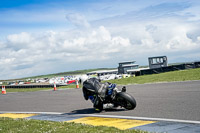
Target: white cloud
{"type": "Point", "coordinates": [119, 38]}
{"type": "Point", "coordinates": [19, 40]}
{"type": "Point", "coordinates": [26, 52]}
{"type": "Point", "coordinates": [29, 54]}
{"type": "Point", "coordinates": [78, 20]}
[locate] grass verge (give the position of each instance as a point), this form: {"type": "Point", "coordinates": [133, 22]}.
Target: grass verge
{"type": "Point", "coordinates": [183, 75]}
{"type": "Point", "coordinates": [8, 125]}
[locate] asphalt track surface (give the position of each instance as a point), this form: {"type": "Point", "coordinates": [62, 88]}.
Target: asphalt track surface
{"type": "Point", "coordinates": [177, 100]}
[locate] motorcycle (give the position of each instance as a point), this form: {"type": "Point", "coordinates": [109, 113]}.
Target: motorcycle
{"type": "Point", "coordinates": [113, 97]}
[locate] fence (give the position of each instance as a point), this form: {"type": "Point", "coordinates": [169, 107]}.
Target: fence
{"type": "Point", "coordinates": [30, 86]}
{"type": "Point", "coordinates": [170, 68]}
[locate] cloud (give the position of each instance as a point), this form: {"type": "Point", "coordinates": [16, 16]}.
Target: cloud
{"type": "Point", "coordinates": [18, 41]}
{"type": "Point", "coordinates": [135, 35]}
{"type": "Point", "coordinates": [78, 20]}
{"type": "Point", "coordinates": [26, 52]}
{"type": "Point", "coordinates": [39, 53]}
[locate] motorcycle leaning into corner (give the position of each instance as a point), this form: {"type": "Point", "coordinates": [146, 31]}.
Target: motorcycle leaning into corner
{"type": "Point", "coordinates": [106, 93]}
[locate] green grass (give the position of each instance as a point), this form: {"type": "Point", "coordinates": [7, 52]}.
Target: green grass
{"type": "Point", "coordinates": [8, 125]}
{"type": "Point", "coordinates": [183, 75]}
{"type": "Point", "coordinates": [38, 89]}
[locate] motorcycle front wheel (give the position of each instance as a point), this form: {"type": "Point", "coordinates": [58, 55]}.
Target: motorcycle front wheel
{"type": "Point", "coordinates": [125, 100]}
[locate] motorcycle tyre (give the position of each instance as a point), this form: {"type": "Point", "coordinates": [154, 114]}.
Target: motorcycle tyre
{"type": "Point", "coordinates": [124, 99]}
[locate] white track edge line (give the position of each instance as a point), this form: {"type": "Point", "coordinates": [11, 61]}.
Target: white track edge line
{"type": "Point", "coordinates": [17, 112]}
{"type": "Point", "coordinates": [111, 116]}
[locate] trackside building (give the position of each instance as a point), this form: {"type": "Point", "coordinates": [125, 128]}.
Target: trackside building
{"type": "Point", "coordinates": [124, 67]}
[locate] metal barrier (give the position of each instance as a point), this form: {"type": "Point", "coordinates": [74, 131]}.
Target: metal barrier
{"type": "Point", "coordinates": [197, 64]}
{"type": "Point", "coordinates": [170, 68]}
{"type": "Point", "coordinates": [30, 86]}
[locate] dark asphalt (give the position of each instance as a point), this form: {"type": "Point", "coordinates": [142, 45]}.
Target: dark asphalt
{"type": "Point", "coordinates": [179, 100]}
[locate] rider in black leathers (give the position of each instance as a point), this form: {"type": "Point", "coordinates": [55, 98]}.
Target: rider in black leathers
{"type": "Point", "coordinates": [99, 89]}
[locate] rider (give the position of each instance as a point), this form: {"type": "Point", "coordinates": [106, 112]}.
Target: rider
{"type": "Point", "coordinates": [99, 88]}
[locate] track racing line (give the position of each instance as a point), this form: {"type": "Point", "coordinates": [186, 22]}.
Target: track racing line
{"type": "Point", "coordinates": [121, 122]}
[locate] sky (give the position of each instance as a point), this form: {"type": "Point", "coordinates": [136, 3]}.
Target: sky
{"type": "Point", "coordinates": [40, 37]}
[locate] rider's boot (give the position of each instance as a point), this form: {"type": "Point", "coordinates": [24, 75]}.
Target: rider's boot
{"type": "Point", "coordinates": [98, 105]}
